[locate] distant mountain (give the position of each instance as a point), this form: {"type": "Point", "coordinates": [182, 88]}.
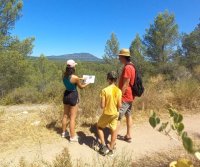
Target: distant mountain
{"type": "Point", "coordinates": [75, 56]}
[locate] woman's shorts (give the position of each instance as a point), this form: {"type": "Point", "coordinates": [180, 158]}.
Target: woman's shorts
{"type": "Point", "coordinates": [70, 98]}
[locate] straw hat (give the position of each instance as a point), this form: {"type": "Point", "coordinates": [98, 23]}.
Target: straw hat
{"type": "Point", "coordinates": [124, 52]}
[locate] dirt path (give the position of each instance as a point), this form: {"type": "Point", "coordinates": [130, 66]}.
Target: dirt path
{"type": "Point", "coordinates": [145, 141]}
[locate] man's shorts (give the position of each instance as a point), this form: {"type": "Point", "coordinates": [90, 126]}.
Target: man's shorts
{"type": "Point", "coordinates": [108, 120]}
{"type": "Point", "coordinates": [125, 109]}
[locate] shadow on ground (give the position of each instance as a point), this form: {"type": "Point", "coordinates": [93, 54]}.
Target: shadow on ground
{"type": "Point", "coordinates": [89, 140]}
{"type": "Point", "coordinates": [92, 140]}
{"type": "Point", "coordinates": [52, 126]}
{"type": "Point", "coordinates": [196, 135]}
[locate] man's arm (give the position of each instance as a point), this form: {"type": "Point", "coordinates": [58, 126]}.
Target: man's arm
{"type": "Point", "coordinates": [125, 85]}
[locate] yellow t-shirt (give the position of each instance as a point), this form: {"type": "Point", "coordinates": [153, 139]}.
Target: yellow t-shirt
{"type": "Point", "coordinates": [111, 94]}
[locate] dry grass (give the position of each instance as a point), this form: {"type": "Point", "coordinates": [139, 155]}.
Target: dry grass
{"type": "Point", "coordinates": [156, 95]}
{"type": "Point", "coordinates": [160, 94]}
{"type": "Point", "coordinates": [186, 94]}
{"type": "Point", "coordinates": [123, 160]}
{"type": "Point", "coordinates": [24, 128]}
{"type": "Point", "coordinates": [61, 160]}
{"type": "Point", "coordinates": [64, 160]}
{"type": "Point", "coordinates": [163, 159]}
{"type": "Point", "coordinates": [90, 101]}
{"type": "Point", "coordinates": [28, 128]}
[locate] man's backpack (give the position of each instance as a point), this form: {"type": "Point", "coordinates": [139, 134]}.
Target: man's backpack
{"type": "Point", "coordinates": [137, 87]}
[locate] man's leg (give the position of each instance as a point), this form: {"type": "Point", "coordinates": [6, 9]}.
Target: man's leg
{"type": "Point", "coordinates": [122, 112]}
{"type": "Point", "coordinates": [129, 125]}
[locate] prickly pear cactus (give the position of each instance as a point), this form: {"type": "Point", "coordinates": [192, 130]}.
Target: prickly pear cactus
{"type": "Point", "coordinates": [181, 163]}
{"type": "Point", "coordinates": [175, 123]}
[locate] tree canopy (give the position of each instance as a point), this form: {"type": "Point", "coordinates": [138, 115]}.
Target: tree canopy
{"type": "Point", "coordinates": [111, 49]}
{"type": "Point", "coordinates": [160, 39]}
{"type": "Point", "coordinates": [137, 52]}
{"type": "Point", "coordinates": [10, 11]}
{"type": "Point", "coordinates": [191, 48]}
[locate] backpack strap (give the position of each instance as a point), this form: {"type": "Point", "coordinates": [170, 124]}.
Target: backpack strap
{"type": "Point", "coordinates": [130, 63]}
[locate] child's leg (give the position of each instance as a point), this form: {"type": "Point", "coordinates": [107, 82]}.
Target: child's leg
{"type": "Point", "coordinates": [114, 127]}
{"type": "Point", "coordinates": [118, 125]}
{"type": "Point", "coordinates": [113, 138]}
{"type": "Point", "coordinates": [103, 149]}
{"type": "Point", "coordinates": [101, 135]}
{"type": "Point", "coordinates": [100, 126]}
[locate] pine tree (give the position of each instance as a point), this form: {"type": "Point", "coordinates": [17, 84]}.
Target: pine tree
{"type": "Point", "coordinates": [137, 52]}
{"type": "Point", "coordinates": [191, 48]}
{"type": "Point", "coordinates": [111, 50]}
{"type": "Point", "coordinates": [46, 72]}
{"type": "Point", "coordinates": [160, 39]}
{"type": "Point", "coordinates": [13, 70]}
{"type": "Point", "coordinates": [10, 11]}
{"type": "Point", "coordinates": [13, 52]}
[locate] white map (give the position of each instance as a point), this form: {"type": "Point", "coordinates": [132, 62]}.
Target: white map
{"type": "Point", "coordinates": [89, 78]}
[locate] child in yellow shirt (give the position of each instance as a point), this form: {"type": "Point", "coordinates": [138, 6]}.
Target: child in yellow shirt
{"type": "Point", "coordinates": [110, 103]}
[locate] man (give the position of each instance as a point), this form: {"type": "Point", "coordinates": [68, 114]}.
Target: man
{"type": "Point", "coordinates": [126, 81]}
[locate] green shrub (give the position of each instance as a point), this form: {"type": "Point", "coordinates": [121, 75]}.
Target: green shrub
{"type": "Point", "coordinates": [176, 124]}
{"type": "Point", "coordinates": [22, 95]}
{"type": "Point", "coordinates": [53, 92]}
{"type": "Point", "coordinates": [197, 73]}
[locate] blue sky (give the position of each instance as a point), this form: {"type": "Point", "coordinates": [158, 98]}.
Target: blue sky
{"type": "Point", "coordinates": [73, 26]}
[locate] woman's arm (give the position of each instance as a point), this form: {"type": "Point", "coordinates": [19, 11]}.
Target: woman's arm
{"type": "Point", "coordinates": [79, 84]}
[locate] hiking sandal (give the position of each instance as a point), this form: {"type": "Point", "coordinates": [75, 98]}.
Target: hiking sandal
{"type": "Point", "coordinates": [127, 139]}
{"type": "Point", "coordinates": [120, 137]}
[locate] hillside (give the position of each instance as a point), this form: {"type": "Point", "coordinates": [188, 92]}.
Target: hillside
{"type": "Point", "coordinates": [75, 56]}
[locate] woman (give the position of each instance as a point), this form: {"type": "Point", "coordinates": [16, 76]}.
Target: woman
{"type": "Point", "coordinates": [70, 99]}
